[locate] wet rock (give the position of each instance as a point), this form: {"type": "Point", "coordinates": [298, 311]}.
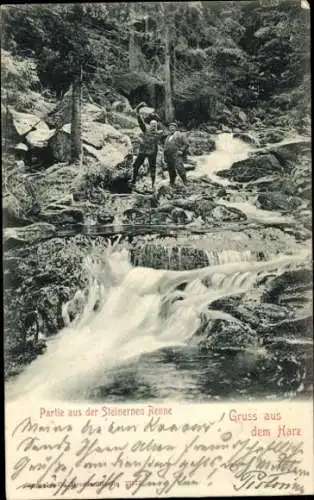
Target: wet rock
{"type": "Point", "coordinates": [222, 334]}
{"type": "Point", "coordinates": [226, 214]}
{"type": "Point", "coordinates": [305, 218]}
{"type": "Point", "coordinates": [30, 234]}
{"type": "Point", "coordinates": [252, 168]}
{"type": "Point", "coordinates": [274, 183]}
{"type": "Point", "coordinates": [91, 182]}
{"type": "Point", "coordinates": [278, 201]}
{"type": "Point", "coordinates": [225, 128]}
{"type": "Point", "coordinates": [11, 279]}
{"type": "Point", "coordinates": [242, 116]}
{"type": "Point", "coordinates": [49, 307]}
{"type": "Point", "coordinates": [288, 154]}
{"type": "Point", "coordinates": [273, 136]}
{"type": "Point", "coordinates": [21, 354]}
{"type": "Point", "coordinates": [60, 215]}
{"type": "Point", "coordinates": [252, 313]}
{"type": "Point", "coordinates": [66, 200]}
{"type": "Point", "coordinates": [97, 178]}
{"type": "Point", "coordinates": [248, 138]}
{"type": "Point", "coordinates": [291, 288]}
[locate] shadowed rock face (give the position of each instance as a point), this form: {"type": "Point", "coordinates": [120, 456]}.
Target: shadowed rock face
{"type": "Point", "coordinates": [252, 168]}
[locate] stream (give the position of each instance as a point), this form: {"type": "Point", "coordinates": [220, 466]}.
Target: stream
{"type": "Point", "coordinates": [135, 337]}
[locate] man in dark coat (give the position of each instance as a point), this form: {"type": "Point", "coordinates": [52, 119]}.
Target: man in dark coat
{"type": "Point", "coordinates": [149, 141]}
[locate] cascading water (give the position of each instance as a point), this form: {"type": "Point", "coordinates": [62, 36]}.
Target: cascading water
{"type": "Point", "coordinates": [129, 311]}
{"type": "Point", "coordinates": [257, 214]}
{"type": "Point", "coordinates": [228, 151]}
{"type": "Point", "coordinates": [186, 257]}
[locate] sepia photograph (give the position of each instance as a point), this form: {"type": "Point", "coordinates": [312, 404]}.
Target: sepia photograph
{"type": "Point", "coordinates": [157, 214]}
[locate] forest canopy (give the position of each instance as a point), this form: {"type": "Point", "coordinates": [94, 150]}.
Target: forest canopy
{"type": "Point", "coordinates": [222, 55]}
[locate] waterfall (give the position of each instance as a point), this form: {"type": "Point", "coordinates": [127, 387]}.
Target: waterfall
{"type": "Point", "coordinates": [184, 257]}
{"type": "Point", "coordinates": [139, 310]}
{"type": "Point", "coordinates": [228, 151]}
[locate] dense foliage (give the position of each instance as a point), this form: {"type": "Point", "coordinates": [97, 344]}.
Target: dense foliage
{"type": "Point", "coordinates": [223, 54]}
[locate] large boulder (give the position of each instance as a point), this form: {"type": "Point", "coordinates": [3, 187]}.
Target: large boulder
{"type": "Point", "coordinates": [23, 122]}
{"type": "Point", "coordinates": [101, 141]}
{"type": "Point", "coordinates": [278, 201]}
{"type": "Point", "coordinates": [288, 154]}
{"type": "Point", "coordinates": [39, 137]}
{"type": "Point", "coordinates": [252, 168]}
{"type": "Point", "coordinates": [291, 288]}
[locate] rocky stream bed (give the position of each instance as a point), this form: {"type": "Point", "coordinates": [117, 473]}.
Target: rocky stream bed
{"type": "Point", "coordinates": [247, 200]}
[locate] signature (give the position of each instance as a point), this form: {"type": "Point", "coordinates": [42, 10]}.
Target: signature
{"type": "Point", "coordinates": [256, 479]}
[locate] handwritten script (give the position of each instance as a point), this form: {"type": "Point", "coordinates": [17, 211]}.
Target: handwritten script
{"type": "Point", "coordinates": [157, 451]}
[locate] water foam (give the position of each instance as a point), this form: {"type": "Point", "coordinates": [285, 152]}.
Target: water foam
{"type": "Point", "coordinates": [139, 310]}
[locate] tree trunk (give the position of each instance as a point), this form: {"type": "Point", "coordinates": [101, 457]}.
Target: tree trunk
{"type": "Point", "coordinates": [132, 46]}
{"type": "Point", "coordinates": [76, 123]}
{"type": "Point", "coordinates": [169, 111]}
